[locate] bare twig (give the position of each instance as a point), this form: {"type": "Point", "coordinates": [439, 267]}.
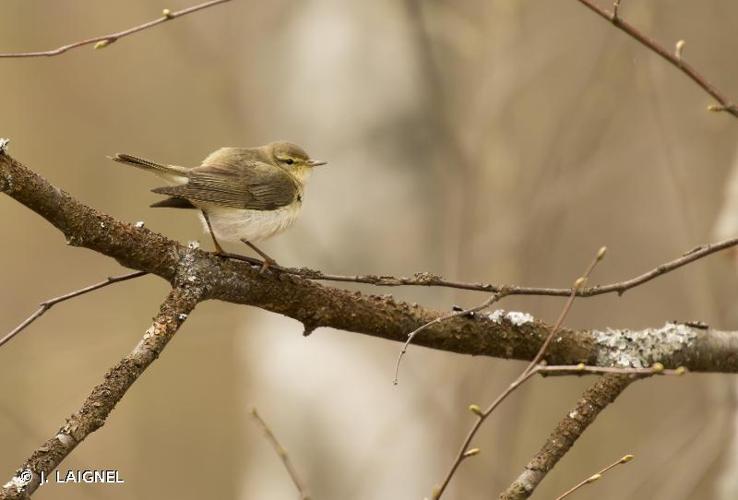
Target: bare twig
{"type": "Point", "coordinates": [282, 453]}
{"type": "Point", "coordinates": [464, 312]}
{"type": "Point", "coordinates": [105, 40]}
{"type": "Point", "coordinates": [48, 304]}
{"type": "Point", "coordinates": [567, 431]}
{"type": "Point", "coordinates": [103, 398]}
{"type": "Point", "coordinates": [678, 62]}
{"type": "Point", "coordinates": [529, 371]}
{"type": "Point", "coordinates": [595, 477]}
{"type": "Point", "coordinates": [427, 279]}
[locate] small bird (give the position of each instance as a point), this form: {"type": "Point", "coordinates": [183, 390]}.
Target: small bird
{"type": "Point", "coordinates": [245, 194]}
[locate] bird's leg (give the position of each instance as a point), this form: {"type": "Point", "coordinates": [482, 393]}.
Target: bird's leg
{"type": "Point", "coordinates": [218, 248]}
{"type": "Point", "coordinates": [268, 261]}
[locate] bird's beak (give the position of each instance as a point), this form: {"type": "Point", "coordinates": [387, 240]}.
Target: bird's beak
{"type": "Point", "coordinates": [316, 163]}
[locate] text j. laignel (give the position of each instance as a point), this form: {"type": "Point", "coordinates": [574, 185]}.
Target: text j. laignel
{"type": "Point", "coordinates": [84, 476]}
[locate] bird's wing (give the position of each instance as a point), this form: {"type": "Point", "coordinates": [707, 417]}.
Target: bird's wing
{"type": "Point", "coordinates": [238, 183]}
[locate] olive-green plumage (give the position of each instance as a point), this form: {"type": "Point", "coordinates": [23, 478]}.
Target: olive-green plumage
{"type": "Point", "coordinates": [244, 193]}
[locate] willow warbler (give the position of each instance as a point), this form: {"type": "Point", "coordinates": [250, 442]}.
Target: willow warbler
{"type": "Point", "coordinates": [245, 194]}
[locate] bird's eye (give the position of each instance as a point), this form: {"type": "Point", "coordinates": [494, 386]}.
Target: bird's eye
{"type": "Point", "coordinates": [289, 161]}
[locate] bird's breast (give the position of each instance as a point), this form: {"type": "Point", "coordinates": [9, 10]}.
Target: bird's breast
{"type": "Point", "coordinates": [235, 224]}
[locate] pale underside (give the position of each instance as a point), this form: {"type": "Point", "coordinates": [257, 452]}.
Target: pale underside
{"type": "Point", "coordinates": [232, 224]}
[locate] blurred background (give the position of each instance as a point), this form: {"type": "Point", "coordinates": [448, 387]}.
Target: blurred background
{"type": "Point", "coordinates": [485, 140]}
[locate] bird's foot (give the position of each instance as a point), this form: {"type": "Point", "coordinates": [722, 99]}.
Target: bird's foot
{"type": "Point", "coordinates": [235, 256]}
{"type": "Point", "coordinates": [267, 263]}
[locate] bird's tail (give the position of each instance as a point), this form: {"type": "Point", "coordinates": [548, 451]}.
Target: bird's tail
{"type": "Point", "coordinates": [172, 173]}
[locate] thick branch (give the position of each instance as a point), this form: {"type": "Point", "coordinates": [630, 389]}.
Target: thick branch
{"type": "Point", "coordinates": [568, 430]}
{"type": "Point", "coordinates": [103, 398]}
{"type": "Point", "coordinates": [510, 335]}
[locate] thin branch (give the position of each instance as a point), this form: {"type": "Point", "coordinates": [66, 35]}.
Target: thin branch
{"type": "Point", "coordinates": [103, 398]}
{"type": "Point", "coordinates": [427, 279]}
{"type": "Point", "coordinates": [48, 304]}
{"type": "Point", "coordinates": [595, 477]}
{"type": "Point", "coordinates": [464, 312]}
{"type": "Point", "coordinates": [567, 431]}
{"type": "Point", "coordinates": [105, 40]}
{"type": "Point", "coordinates": [673, 58]}
{"type": "Point", "coordinates": [431, 280]}
{"type": "Point", "coordinates": [530, 370]}
{"type": "Point", "coordinates": [282, 453]}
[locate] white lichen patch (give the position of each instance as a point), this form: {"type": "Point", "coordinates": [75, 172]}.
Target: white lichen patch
{"type": "Point", "coordinates": [193, 245]}
{"type": "Point", "coordinates": [139, 224]}
{"type": "Point", "coordinates": [515, 317]}
{"type": "Point", "coordinates": [497, 315]}
{"type": "Point", "coordinates": [519, 318]}
{"type": "Point", "coordinates": [640, 349]}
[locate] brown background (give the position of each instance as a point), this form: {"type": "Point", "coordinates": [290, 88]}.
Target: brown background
{"type": "Point", "coordinates": [481, 140]}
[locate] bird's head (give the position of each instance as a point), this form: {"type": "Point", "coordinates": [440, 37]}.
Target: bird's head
{"type": "Point", "coordinates": [292, 158]}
